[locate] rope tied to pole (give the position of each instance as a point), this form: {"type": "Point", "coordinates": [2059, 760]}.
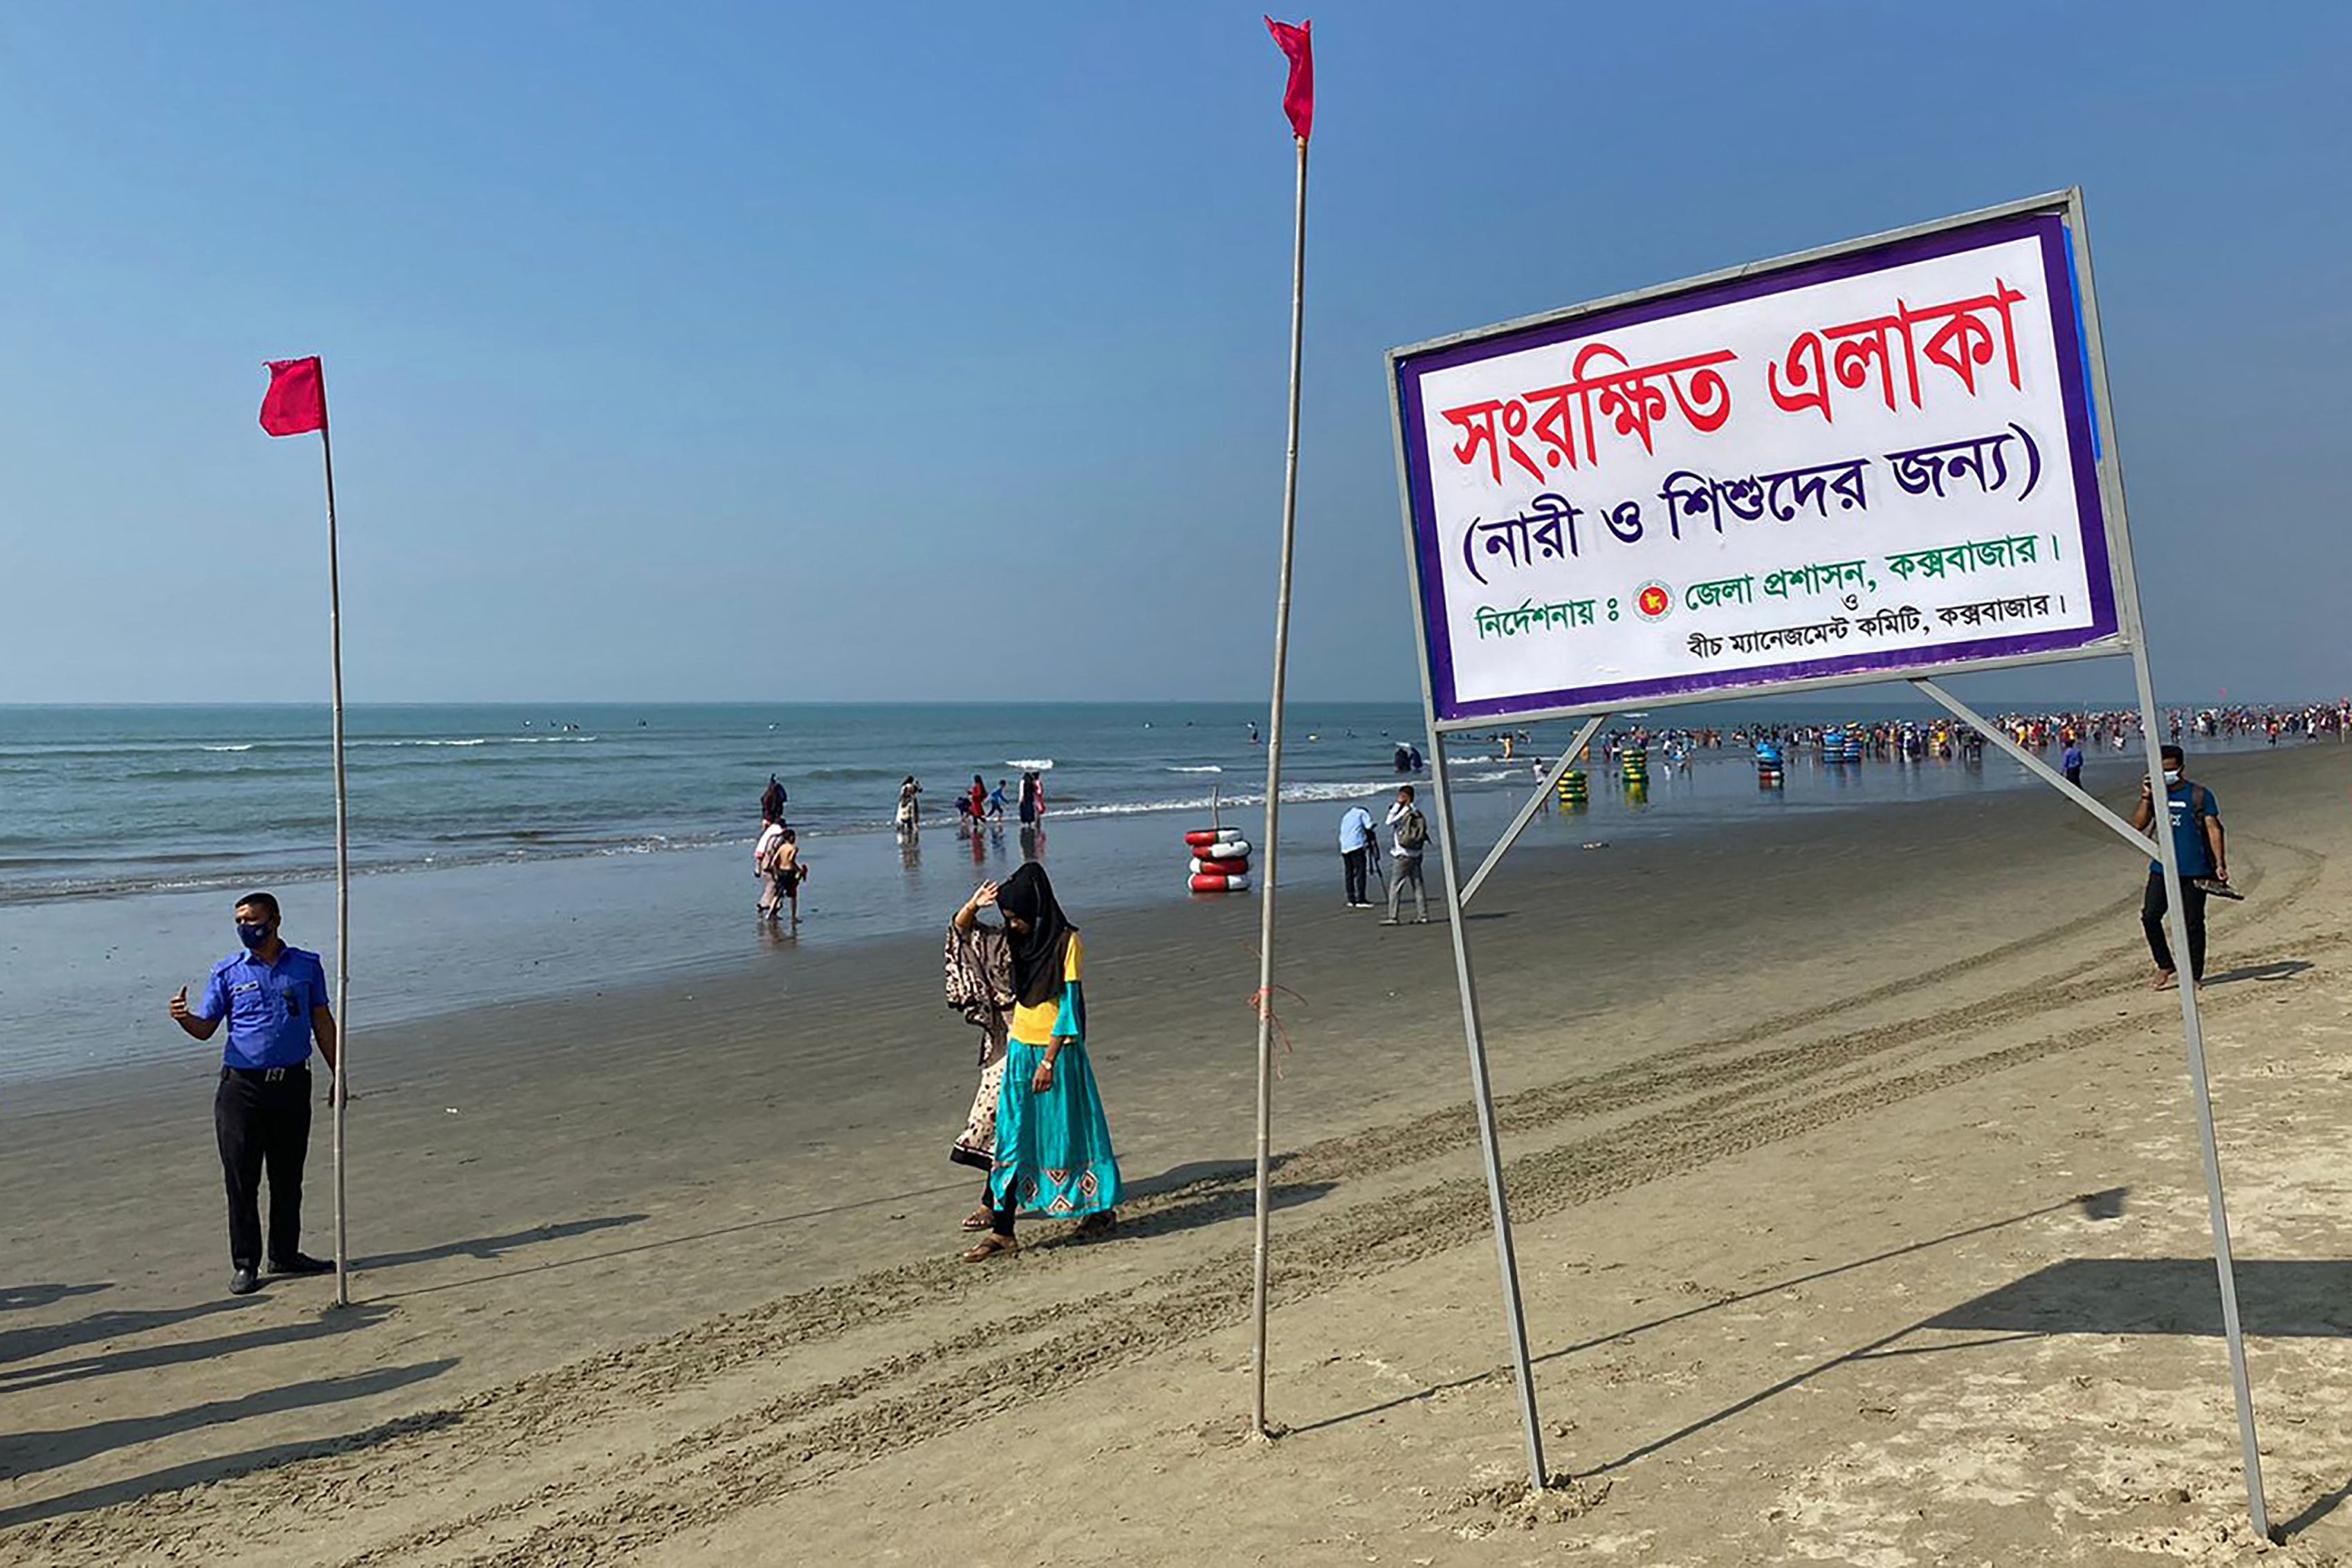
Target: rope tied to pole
{"type": "Point", "coordinates": [1261, 1002]}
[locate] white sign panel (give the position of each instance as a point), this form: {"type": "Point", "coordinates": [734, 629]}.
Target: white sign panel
{"type": "Point", "coordinates": [1859, 467]}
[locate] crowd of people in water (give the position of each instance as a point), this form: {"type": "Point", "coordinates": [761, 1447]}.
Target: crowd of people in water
{"type": "Point", "coordinates": [2092, 729]}
{"type": "Point", "coordinates": [976, 806]}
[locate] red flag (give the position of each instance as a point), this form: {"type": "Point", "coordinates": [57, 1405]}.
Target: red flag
{"type": "Point", "coordinates": [296, 402]}
{"type": "Point", "coordinates": [1298, 97]}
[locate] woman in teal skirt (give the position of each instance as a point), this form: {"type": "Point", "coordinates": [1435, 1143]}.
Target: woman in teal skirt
{"type": "Point", "coordinates": [1053, 1154]}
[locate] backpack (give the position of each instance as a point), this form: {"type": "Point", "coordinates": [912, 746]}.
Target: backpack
{"type": "Point", "coordinates": [1412, 833]}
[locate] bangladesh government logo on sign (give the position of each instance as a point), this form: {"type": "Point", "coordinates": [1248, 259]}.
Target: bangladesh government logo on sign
{"type": "Point", "coordinates": [1655, 601]}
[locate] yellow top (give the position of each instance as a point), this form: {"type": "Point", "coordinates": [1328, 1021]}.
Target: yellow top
{"type": "Point", "coordinates": [1064, 1016]}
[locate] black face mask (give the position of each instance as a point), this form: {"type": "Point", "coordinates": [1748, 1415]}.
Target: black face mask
{"type": "Point", "coordinates": [255, 937]}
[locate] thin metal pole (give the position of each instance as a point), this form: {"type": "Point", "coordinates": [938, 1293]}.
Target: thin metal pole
{"type": "Point", "coordinates": [1535, 803]}
{"type": "Point", "coordinates": [1274, 820]}
{"type": "Point", "coordinates": [342, 863]}
{"type": "Point", "coordinates": [1484, 1094]}
{"type": "Point", "coordinates": [2031, 763]}
{"type": "Point", "coordinates": [2134, 629]}
{"type": "Point", "coordinates": [2199, 1088]}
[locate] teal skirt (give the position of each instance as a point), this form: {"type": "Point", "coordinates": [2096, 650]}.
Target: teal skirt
{"type": "Point", "coordinates": [1053, 1150]}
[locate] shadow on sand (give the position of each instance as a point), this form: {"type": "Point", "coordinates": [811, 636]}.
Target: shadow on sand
{"type": "Point", "coordinates": [29, 1453]}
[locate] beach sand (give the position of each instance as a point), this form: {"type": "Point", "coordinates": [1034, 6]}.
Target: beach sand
{"type": "Point", "coordinates": [1859, 1207]}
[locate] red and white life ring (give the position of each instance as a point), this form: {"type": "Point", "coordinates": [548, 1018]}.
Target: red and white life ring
{"type": "Point", "coordinates": [1224, 849]}
{"type": "Point", "coordinates": [1222, 865]}
{"type": "Point", "coordinates": [1214, 882]}
{"type": "Point", "coordinates": [1200, 836]}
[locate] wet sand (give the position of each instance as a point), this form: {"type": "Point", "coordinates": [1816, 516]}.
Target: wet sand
{"type": "Point", "coordinates": [1797, 1122]}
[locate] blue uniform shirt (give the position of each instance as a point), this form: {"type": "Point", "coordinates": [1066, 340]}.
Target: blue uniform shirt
{"type": "Point", "coordinates": [267, 1007]}
{"type": "Point", "coordinates": [2189, 841]}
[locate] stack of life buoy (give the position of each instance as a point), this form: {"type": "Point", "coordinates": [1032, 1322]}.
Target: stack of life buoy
{"type": "Point", "coordinates": [1220, 860]}
{"type": "Point", "coordinates": [1575, 791]}
{"type": "Point", "coordinates": [1636, 765]}
{"type": "Point", "coordinates": [1853, 744]}
{"type": "Point", "coordinates": [1770, 772]}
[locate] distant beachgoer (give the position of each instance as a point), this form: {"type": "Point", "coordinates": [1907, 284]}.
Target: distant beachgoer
{"type": "Point", "coordinates": [274, 999]}
{"type": "Point", "coordinates": [1053, 1154]}
{"type": "Point", "coordinates": [977, 798]}
{"type": "Point", "coordinates": [1355, 854]}
{"type": "Point", "coordinates": [791, 872]}
{"type": "Point", "coordinates": [763, 862]}
{"type": "Point", "coordinates": [1408, 841]}
{"type": "Point", "coordinates": [980, 986]}
{"type": "Point", "coordinates": [2197, 844]}
{"type": "Point", "coordinates": [996, 802]}
{"type": "Point", "coordinates": [1028, 800]}
{"type": "Point", "coordinates": [910, 806]}
{"type": "Point", "coordinates": [2073, 761]}
{"type": "Point", "coordinates": [771, 801]}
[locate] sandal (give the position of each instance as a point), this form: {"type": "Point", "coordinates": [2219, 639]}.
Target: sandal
{"type": "Point", "coordinates": [979, 1219]}
{"type": "Point", "coordinates": [989, 1247]}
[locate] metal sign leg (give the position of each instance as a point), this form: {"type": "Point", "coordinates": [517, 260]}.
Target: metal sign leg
{"type": "Point", "coordinates": [1483, 1095]}
{"type": "Point", "coordinates": [2200, 1091]}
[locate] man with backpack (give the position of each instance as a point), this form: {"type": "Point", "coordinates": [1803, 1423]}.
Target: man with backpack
{"type": "Point", "coordinates": [2197, 843]}
{"type": "Point", "coordinates": [1408, 841]}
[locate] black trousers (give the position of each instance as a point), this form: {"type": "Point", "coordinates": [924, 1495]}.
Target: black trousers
{"type": "Point", "coordinates": [263, 1126]}
{"type": "Point", "coordinates": [1355, 862]}
{"type": "Point", "coordinates": [2151, 918]}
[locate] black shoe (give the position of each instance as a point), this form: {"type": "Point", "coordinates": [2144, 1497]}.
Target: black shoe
{"type": "Point", "coordinates": [244, 1283]}
{"type": "Point", "coordinates": [300, 1263]}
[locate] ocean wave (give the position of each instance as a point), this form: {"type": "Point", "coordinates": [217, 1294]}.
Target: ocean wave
{"type": "Point", "coordinates": [477, 740]}
{"type": "Point", "coordinates": [1212, 768]}
{"type": "Point", "coordinates": [246, 746]}
{"type": "Point", "coordinates": [842, 775]}
{"type": "Point", "coordinates": [382, 741]}
{"type": "Point", "coordinates": [1334, 791]}
{"type": "Point", "coordinates": [1292, 794]}
{"type": "Point", "coordinates": [218, 774]}
{"type": "Point", "coordinates": [1031, 764]}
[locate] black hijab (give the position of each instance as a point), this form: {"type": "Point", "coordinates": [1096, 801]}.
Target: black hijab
{"type": "Point", "coordinates": [1037, 952]}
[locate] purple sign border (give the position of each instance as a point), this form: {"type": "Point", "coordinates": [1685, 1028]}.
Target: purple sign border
{"type": "Point", "coordinates": [2065, 310]}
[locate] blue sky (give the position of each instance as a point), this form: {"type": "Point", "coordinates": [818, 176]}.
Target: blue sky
{"type": "Point", "coordinates": [716, 352]}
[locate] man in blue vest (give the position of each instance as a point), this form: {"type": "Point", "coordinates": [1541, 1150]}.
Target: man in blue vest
{"type": "Point", "coordinates": [274, 999]}
{"type": "Point", "coordinates": [2197, 843]}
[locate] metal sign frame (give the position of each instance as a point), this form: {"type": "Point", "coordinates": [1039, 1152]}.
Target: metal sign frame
{"type": "Point", "coordinates": [2128, 640]}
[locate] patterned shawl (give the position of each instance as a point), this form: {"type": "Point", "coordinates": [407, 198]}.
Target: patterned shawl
{"type": "Point", "coordinates": [980, 980]}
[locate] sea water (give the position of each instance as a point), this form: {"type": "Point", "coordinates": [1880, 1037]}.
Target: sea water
{"type": "Point", "coordinates": [510, 852]}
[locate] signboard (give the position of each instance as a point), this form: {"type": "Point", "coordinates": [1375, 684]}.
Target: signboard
{"type": "Point", "coordinates": [1868, 462]}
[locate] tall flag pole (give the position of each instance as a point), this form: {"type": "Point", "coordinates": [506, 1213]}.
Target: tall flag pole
{"type": "Point", "coordinates": [1298, 103]}
{"type": "Point", "coordinates": [296, 404]}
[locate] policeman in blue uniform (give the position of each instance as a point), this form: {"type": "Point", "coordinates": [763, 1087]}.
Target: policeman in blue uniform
{"type": "Point", "coordinates": [274, 999]}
